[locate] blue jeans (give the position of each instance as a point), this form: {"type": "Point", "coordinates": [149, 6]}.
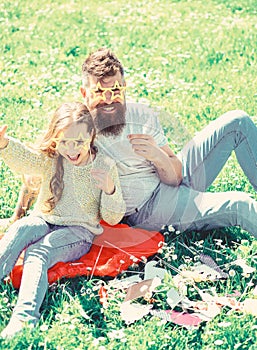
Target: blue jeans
{"type": "Point", "coordinates": [45, 244]}
{"type": "Point", "coordinates": [189, 206]}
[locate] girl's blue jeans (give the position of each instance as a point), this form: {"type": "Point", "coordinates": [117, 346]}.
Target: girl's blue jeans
{"type": "Point", "coordinates": [189, 206]}
{"type": "Point", "coordinates": [46, 245]}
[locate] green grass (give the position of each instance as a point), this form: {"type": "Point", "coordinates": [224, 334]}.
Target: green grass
{"type": "Point", "coordinates": [196, 59]}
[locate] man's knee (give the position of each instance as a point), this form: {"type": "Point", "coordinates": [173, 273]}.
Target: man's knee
{"type": "Point", "coordinates": [236, 116]}
{"type": "Point", "coordinates": [238, 121]}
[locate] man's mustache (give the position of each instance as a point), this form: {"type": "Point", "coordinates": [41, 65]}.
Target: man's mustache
{"type": "Point", "coordinates": [102, 105]}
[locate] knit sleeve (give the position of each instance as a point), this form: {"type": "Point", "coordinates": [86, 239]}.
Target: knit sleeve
{"type": "Point", "coordinates": [112, 206]}
{"type": "Point", "coordinates": [24, 160]}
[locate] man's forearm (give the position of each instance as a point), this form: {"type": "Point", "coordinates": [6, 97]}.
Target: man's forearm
{"type": "Point", "coordinates": [169, 169]}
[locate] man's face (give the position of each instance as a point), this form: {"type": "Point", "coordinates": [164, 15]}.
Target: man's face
{"type": "Point", "coordinates": [105, 99]}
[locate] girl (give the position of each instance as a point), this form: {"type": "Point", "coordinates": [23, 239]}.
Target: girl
{"type": "Point", "coordinates": [79, 188]}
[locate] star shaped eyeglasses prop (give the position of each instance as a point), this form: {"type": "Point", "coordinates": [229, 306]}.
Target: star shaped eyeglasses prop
{"type": "Point", "coordinates": [79, 142]}
{"type": "Point", "coordinates": [116, 91]}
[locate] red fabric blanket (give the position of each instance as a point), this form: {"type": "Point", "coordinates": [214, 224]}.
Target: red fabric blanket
{"type": "Point", "coordinates": [112, 252]}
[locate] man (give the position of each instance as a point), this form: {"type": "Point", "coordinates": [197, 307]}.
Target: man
{"type": "Point", "coordinates": [158, 186]}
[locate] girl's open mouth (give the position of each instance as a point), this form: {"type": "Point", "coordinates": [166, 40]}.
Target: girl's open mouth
{"type": "Point", "coordinates": [73, 158]}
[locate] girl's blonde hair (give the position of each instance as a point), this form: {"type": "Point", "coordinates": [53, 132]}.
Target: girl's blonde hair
{"type": "Point", "coordinates": [64, 116]}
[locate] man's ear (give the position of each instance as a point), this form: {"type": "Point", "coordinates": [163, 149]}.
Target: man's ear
{"type": "Point", "coordinates": [83, 92]}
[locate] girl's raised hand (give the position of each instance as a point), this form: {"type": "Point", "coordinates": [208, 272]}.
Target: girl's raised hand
{"type": "Point", "coordinates": [104, 181]}
{"type": "Point", "coordinates": [3, 139]}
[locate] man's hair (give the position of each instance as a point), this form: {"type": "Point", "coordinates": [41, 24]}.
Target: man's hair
{"type": "Point", "coordinates": [100, 64]}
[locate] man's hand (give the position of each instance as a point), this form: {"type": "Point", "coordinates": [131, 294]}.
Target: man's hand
{"type": "Point", "coordinates": [145, 146]}
{"type": "Point", "coordinates": [168, 166]}
{"type": "Point", "coordinates": [3, 138]}
{"type": "Point", "coordinates": [104, 181]}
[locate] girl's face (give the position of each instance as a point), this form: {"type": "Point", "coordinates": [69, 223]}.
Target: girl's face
{"type": "Point", "coordinates": [73, 144]}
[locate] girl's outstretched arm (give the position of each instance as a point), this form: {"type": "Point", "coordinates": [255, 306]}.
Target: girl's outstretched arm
{"type": "Point", "coordinates": [3, 139]}
{"type": "Point", "coordinates": [21, 158]}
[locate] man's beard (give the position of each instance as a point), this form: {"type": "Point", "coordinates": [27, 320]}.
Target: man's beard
{"type": "Point", "coordinates": [112, 123]}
